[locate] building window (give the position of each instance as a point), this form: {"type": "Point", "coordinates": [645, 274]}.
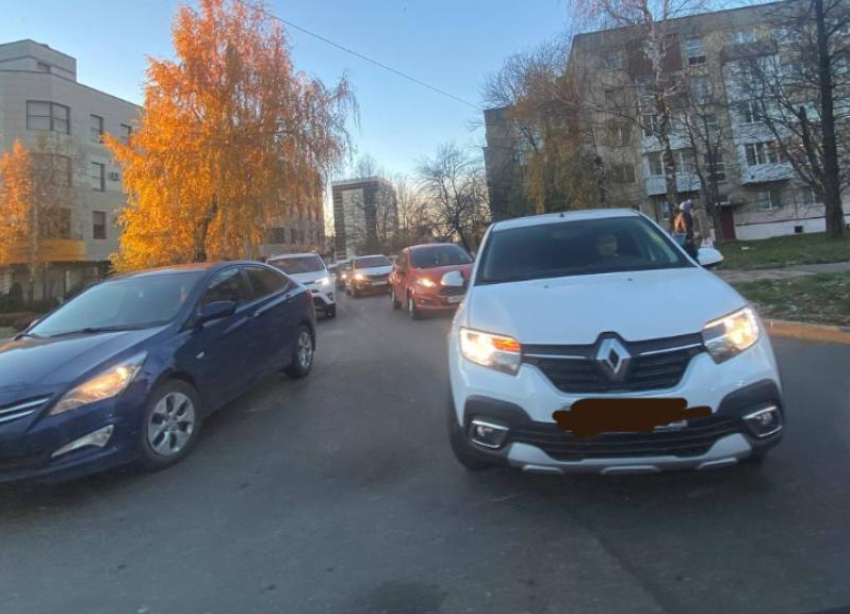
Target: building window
{"type": "Point", "coordinates": [98, 224]}
{"type": "Point", "coordinates": [717, 170]}
{"type": "Point", "coordinates": [126, 132]}
{"type": "Point", "coordinates": [701, 89]}
{"type": "Point", "coordinates": [48, 116]}
{"type": "Point", "coordinates": [709, 127]}
{"type": "Point", "coordinates": [97, 175]}
{"type": "Point", "coordinates": [655, 164]}
{"type": "Point", "coordinates": [743, 37]}
{"type": "Point", "coordinates": [619, 134]}
{"type": "Point", "coordinates": [764, 153]}
{"type": "Point", "coordinates": [42, 67]}
{"type": "Point", "coordinates": [276, 236]}
{"type": "Point", "coordinates": [808, 196]}
{"type": "Point", "coordinates": [53, 169]}
{"type": "Point", "coordinates": [750, 112]}
{"type": "Point", "coordinates": [96, 128]}
{"type": "Point", "coordinates": [650, 124]}
{"type": "Point", "coordinates": [612, 59]}
{"type": "Point", "coordinates": [769, 200]}
{"type": "Point", "coordinates": [623, 173]}
{"type": "Point", "coordinates": [685, 161]}
{"type": "Point", "coordinates": [694, 51]}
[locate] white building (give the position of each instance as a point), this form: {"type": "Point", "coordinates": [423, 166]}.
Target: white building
{"type": "Point", "coordinates": [42, 101]}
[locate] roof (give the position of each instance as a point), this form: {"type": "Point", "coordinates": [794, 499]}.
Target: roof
{"type": "Point", "coordinates": [565, 216]}
{"type": "Point", "coordinates": [182, 268]}
{"type": "Point", "coordinates": [301, 255]}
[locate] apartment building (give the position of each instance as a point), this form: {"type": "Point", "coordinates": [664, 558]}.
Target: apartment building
{"type": "Point", "coordinates": [365, 215]}
{"type": "Point", "coordinates": [43, 105]}
{"type": "Point", "coordinates": [758, 193]}
{"type": "Point", "coordinates": [302, 230]}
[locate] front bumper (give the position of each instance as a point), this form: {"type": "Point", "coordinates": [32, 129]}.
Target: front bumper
{"type": "Point", "coordinates": [524, 403]}
{"type": "Point", "coordinates": [433, 301]}
{"type": "Point", "coordinates": [27, 448]}
{"type": "Point", "coordinates": [323, 296]}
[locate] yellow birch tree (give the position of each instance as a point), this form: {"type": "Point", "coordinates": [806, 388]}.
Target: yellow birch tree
{"type": "Point", "coordinates": [231, 136]}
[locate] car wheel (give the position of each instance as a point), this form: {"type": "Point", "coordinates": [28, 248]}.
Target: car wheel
{"type": "Point", "coordinates": [171, 424]}
{"type": "Point", "coordinates": [330, 311]}
{"type": "Point", "coordinates": [354, 292]}
{"type": "Point", "coordinates": [412, 311]}
{"type": "Point", "coordinates": [465, 454]}
{"type": "Point", "coordinates": [302, 355]}
{"type": "Point", "coordinates": [396, 302]}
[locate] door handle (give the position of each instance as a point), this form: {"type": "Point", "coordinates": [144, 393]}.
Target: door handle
{"type": "Point", "coordinates": [256, 314]}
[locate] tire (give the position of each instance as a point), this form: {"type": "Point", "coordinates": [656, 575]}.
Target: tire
{"type": "Point", "coordinates": [396, 302]}
{"type": "Point", "coordinates": [465, 454]}
{"type": "Point", "coordinates": [165, 439]}
{"type": "Point", "coordinates": [412, 312]}
{"type": "Point", "coordinates": [330, 311]}
{"type": "Point", "coordinates": [302, 354]}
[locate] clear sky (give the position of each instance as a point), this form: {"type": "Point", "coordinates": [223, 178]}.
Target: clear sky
{"type": "Point", "coordinates": [451, 44]}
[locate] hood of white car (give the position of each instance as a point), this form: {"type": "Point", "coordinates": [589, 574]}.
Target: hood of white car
{"type": "Point", "coordinates": [576, 310]}
{"type": "Point", "coordinates": [376, 270]}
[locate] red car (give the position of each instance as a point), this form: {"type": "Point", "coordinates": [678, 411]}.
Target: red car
{"type": "Point", "coordinates": [416, 280]}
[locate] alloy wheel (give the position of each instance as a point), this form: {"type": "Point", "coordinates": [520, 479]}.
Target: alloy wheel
{"type": "Point", "coordinates": [305, 350]}
{"type": "Point", "coordinates": [171, 424]}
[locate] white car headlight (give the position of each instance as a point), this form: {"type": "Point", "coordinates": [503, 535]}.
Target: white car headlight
{"type": "Point", "coordinates": [104, 385]}
{"type": "Point", "coordinates": [324, 281]}
{"type": "Point", "coordinates": [359, 276]}
{"type": "Point", "coordinates": [425, 282]}
{"type": "Point", "coordinates": [495, 351]}
{"type": "Point", "coordinates": [730, 335]}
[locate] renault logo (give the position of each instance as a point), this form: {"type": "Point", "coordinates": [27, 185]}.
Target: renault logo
{"type": "Point", "coordinates": [614, 358]}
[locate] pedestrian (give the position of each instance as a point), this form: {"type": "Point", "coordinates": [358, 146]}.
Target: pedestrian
{"type": "Point", "coordinates": [683, 226]}
{"type": "Point", "coordinates": [703, 233]}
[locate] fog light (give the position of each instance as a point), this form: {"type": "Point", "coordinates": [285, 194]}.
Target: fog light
{"type": "Point", "coordinates": [764, 422]}
{"type": "Point", "coordinates": [488, 434]}
{"type": "Point", "coordinates": [98, 439]}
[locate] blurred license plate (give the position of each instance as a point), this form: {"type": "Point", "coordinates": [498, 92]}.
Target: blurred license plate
{"type": "Point", "coordinates": [451, 300]}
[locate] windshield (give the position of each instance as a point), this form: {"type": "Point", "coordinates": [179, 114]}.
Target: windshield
{"type": "Point", "coordinates": [584, 247]}
{"type": "Point", "coordinates": [134, 302]}
{"type": "Point", "coordinates": [438, 255]}
{"type": "Point", "coordinates": [300, 264]}
{"type": "Point", "coordinates": [371, 262]}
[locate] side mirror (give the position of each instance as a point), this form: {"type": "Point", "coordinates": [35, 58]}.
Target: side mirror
{"type": "Point", "coordinates": [216, 311]}
{"type": "Point", "coordinates": [709, 257]}
{"type": "Point", "coordinates": [453, 279]}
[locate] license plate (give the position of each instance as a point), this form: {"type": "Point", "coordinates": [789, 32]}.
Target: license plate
{"type": "Point", "coordinates": [588, 417]}
{"type": "Point", "coordinates": [453, 300]}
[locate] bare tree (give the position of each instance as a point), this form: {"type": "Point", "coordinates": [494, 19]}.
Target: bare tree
{"type": "Point", "coordinates": [453, 184]}
{"type": "Point", "coordinates": [414, 225]}
{"type": "Point", "coordinates": [648, 23]}
{"type": "Point", "coordinates": [797, 86]}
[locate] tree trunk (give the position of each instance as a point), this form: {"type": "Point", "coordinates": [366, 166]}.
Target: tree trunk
{"type": "Point", "coordinates": [832, 192]}
{"type": "Point", "coordinates": [202, 231]}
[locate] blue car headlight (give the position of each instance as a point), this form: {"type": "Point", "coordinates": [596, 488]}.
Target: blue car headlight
{"type": "Point", "coordinates": [105, 385]}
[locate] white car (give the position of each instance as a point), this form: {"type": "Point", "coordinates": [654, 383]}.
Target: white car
{"type": "Point", "coordinates": [369, 274]}
{"type": "Point", "coordinates": [590, 342]}
{"type": "Point", "coordinates": [309, 270]}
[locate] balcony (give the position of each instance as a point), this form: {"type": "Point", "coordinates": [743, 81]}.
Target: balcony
{"type": "Point", "coordinates": [765, 173]}
{"type": "Point", "coordinates": [685, 182]}
{"type": "Point", "coordinates": [51, 250]}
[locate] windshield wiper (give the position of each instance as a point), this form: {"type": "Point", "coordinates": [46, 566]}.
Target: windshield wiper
{"type": "Point", "coordinates": [90, 330]}
{"type": "Point", "coordinates": [21, 335]}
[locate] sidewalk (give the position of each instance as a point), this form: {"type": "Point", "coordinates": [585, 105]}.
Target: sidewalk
{"type": "Point", "coordinates": [797, 270]}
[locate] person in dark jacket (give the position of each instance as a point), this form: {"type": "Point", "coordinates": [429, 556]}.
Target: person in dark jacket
{"type": "Point", "coordinates": [683, 224]}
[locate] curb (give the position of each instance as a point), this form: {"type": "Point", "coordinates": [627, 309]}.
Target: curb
{"type": "Point", "coordinates": [809, 332]}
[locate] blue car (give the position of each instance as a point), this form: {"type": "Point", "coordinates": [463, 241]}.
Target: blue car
{"type": "Point", "coordinates": [127, 370]}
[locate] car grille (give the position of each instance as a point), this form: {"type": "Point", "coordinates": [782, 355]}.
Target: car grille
{"type": "Point", "coordinates": [693, 440]}
{"type": "Point", "coordinates": [383, 277]}
{"type": "Point", "coordinates": [451, 291]}
{"type": "Point", "coordinates": [655, 365]}
{"type": "Point", "coordinates": [21, 409]}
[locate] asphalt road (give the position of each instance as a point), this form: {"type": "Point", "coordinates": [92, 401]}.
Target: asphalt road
{"type": "Point", "coordinates": [339, 494]}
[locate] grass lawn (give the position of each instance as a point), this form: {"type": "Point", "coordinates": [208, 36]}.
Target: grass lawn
{"type": "Point", "coordinates": [784, 251]}
{"type": "Point", "coordinates": [823, 299]}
